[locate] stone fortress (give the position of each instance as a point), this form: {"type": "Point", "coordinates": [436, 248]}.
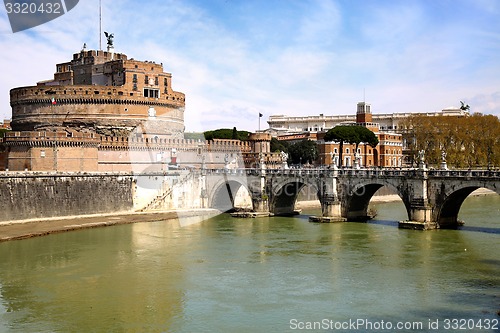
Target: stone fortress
{"type": "Point", "coordinates": [105, 112]}
{"type": "Point", "coordinates": [104, 93]}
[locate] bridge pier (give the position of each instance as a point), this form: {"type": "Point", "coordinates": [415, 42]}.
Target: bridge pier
{"type": "Point", "coordinates": [421, 217]}
{"type": "Point", "coordinates": [331, 206]}
{"type": "Point", "coordinates": [331, 211]}
{"type": "Point", "coordinates": [260, 204]}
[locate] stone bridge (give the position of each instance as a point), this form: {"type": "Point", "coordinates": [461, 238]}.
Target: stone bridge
{"type": "Point", "coordinates": [432, 197]}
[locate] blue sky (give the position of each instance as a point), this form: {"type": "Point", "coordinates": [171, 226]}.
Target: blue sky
{"type": "Point", "coordinates": [236, 59]}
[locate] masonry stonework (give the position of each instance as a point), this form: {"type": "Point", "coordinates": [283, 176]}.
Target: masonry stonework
{"type": "Point", "coordinates": [42, 195]}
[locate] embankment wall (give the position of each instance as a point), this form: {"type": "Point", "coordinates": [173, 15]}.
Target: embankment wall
{"type": "Point", "coordinates": [31, 195]}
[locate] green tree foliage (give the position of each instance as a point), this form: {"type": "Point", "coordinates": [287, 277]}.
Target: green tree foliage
{"type": "Point", "coordinates": [277, 146]}
{"type": "Point", "coordinates": [469, 142]}
{"type": "Point", "coordinates": [304, 151]}
{"type": "Point", "coordinates": [351, 134]}
{"type": "Point", "coordinates": [226, 133]}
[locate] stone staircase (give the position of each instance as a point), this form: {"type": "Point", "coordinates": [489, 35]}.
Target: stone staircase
{"type": "Point", "coordinates": [165, 192]}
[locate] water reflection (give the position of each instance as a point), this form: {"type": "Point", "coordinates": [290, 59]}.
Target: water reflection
{"type": "Point", "coordinates": [226, 274]}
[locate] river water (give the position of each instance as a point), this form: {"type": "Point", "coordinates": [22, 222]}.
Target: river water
{"type": "Point", "coordinates": [256, 275]}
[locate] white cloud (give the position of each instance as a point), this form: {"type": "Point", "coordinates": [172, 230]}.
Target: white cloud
{"type": "Point", "coordinates": [486, 103]}
{"type": "Point", "coordinates": [234, 60]}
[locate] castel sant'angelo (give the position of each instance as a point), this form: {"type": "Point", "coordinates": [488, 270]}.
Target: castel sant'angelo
{"type": "Point", "coordinates": [106, 112]}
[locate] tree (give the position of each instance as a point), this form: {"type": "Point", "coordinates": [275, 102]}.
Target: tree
{"type": "Point", "coordinates": [226, 133]}
{"type": "Point", "coordinates": [351, 134]}
{"type": "Point", "coordinates": [471, 141]}
{"type": "Point", "coordinates": [366, 136]}
{"type": "Point", "coordinates": [278, 146]}
{"type": "Point", "coordinates": [3, 131]}
{"type": "Point", "coordinates": [304, 151]}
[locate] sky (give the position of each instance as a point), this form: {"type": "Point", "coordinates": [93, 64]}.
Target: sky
{"type": "Point", "coordinates": [236, 59]}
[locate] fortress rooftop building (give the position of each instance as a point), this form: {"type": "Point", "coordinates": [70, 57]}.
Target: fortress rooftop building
{"type": "Point", "coordinates": [102, 92]}
{"type": "Point", "coordinates": [105, 112]}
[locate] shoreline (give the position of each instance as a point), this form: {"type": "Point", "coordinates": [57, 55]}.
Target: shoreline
{"type": "Point", "coordinates": [23, 229]}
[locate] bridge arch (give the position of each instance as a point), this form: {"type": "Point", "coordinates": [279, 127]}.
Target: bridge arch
{"type": "Point", "coordinates": [224, 193]}
{"type": "Point", "coordinates": [285, 192]}
{"type": "Point", "coordinates": [357, 199]}
{"type": "Point", "coordinates": [447, 212]}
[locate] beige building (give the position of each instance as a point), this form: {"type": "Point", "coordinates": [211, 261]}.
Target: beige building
{"type": "Point", "coordinates": [281, 124]}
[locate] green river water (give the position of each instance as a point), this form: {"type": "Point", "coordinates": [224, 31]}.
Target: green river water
{"type": "Point", "coordinates": [276, 274]}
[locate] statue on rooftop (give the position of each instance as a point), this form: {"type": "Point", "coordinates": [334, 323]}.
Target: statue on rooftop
{"type": "Point", "coordinates": [464, 107]}
{"type": "Point", "coordinates": [443, 156]}
{"type": "Point", "coordinates": [109, 37]}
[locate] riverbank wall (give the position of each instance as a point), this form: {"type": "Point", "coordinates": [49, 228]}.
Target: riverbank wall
{"type": "Point", "coordinates": [32, 195]}
{"type": "Point", "coordinates": [42, 195]}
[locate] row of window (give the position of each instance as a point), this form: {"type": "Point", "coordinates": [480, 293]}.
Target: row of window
{"type": "Point", "coordinates": [153, 93]}
{"type": "Point", "coordinates": [348, 151]}
{"type": "Point", "coordinates": [61, 68]}
{"type": "Point", "coordinates": [388, 162]}
{"type": "Point", "coordinates": [150, 82]}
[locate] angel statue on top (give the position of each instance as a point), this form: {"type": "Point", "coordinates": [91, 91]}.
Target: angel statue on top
{"type": "Point", "coordinates": [109, 37]}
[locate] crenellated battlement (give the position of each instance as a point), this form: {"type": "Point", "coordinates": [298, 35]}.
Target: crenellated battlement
{"type": "Point", "coordinates": [85, 94]}
{"type": "Point", "coordinates": [39, 138]}
{"type": "Point", "coordinates": [51, 138]}
{"type": "Point", "coordinates": [125, 143]}
{"type": "Point", "coordinates": [224, 145]}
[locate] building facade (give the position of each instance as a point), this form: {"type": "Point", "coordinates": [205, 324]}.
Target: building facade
{"type": "Point", "coordinates": [105, 112]}
{"type": "Point", "coordinates": [388, 128]}
{"type": "Point", "coordinates": [388, 153]}
{"type": "Point", "coordinates": [281, 124]}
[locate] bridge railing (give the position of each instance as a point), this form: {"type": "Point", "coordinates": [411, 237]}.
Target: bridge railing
{"type": "Point", "coordinates": [363, 172]}
{"type": "Point", "coordinates": [239, 171]}
{"type": "Point", "coordinates": [465, 173]}
{"type": "Point", "coordinates": [347, 172]}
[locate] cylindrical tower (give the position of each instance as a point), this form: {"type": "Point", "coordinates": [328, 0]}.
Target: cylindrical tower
{"type": "Point", "coordinates": [105, 93]}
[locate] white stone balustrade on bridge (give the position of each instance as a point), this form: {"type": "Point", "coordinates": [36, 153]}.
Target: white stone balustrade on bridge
{"type": "Point", "coordinates": [432, 197]}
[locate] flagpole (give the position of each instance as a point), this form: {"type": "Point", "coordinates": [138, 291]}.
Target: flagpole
{"type": "Point", "coordinates": [100, 25]}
